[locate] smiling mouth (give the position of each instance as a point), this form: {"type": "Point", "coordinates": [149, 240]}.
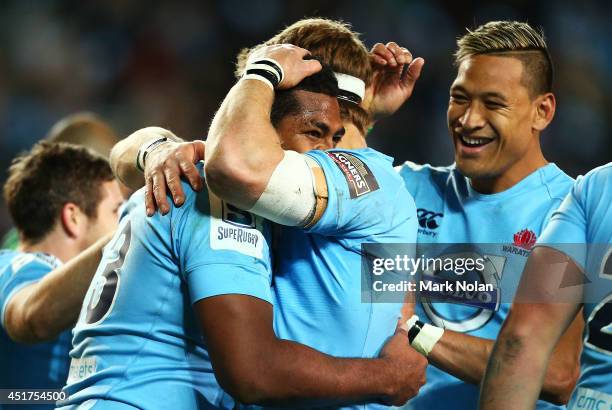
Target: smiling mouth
{"type": "Point", "coordinates": [474, 142]}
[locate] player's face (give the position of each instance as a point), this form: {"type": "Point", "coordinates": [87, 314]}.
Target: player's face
{"type": "Point", "coordinates": [490, 116]}
{"type": "Point", "coordinates": [317, 125]}
{"type": "Point", "coordinates": [108, 213]}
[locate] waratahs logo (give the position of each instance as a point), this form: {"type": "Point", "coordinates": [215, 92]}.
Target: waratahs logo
{"type": "Point", "coordinates": [525, 239]}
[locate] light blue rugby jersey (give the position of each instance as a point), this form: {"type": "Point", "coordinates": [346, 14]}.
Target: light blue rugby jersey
{"type": "Point", "coordinates": [451, 212]}
{"type": "Point", "coordinates": [38, 366]}
{"type": "Point", "coordinates": [582, 228]}
{"type": "Point", "coordinates": [137, 342]}
{"type": "Point", "coordinates": [317, 277]}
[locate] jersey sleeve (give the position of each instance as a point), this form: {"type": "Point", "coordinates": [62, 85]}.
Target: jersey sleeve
{"type": "Point", "coordinates": [361, 193]}
{"type": "Point", "coordinates": [25, 269]}
{"type": "Point", "coordinates": [567, 229]}
{"type": "Point", "coordinates": [222, 249]}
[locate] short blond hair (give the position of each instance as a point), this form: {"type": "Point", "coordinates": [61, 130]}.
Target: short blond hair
{"type": "Point", "coordinates": [335, 44]}
{"type": "Point", "coordinates": [86, 129]}
{"type": "Point", "coordinates": [516, 39]}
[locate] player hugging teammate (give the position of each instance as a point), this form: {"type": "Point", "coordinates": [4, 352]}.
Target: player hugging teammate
{"type": "Point", "coordinates": [245, 290]}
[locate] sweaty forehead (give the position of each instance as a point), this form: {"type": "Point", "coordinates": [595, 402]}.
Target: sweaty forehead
{"type": "Point", "coordinates": [317, 105]}
{"type": "Point", "coordinates": [490, 73]}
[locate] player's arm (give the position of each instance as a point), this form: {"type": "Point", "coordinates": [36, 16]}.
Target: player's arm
{"type": "Point", "coordinates": [40, 311]}
{"type": "Point", "coordinates": [124, 155]}
{"type": "Point", "coordinates": [164, 158]}
{"type": "Point", "coordinates": [254, 366]}
{"type": "Point", "coordinates": [466, 357]}
{"type": "Point", "coordinates": [525, 346]}
{"type": "Point", "coordinates": [243, 148]}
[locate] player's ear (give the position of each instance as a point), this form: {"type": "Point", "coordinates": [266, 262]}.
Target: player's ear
{"type": "Point", "coordinates": [72, 220]}
{"type": "Point", "coordinates": [544, 105]}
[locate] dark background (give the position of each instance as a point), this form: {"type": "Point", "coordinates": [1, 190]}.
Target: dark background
{"type": "Point", "coordinates": [139, 63]}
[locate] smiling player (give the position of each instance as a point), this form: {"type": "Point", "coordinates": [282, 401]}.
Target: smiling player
{"type": "Point", "coordinates": [498, 196]}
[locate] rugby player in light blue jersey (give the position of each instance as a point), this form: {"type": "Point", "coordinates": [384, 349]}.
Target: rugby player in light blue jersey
{"type": "Point", "coordinates": [324, 306]}
{"type": "Point", "coordinates": [498, 196]}
{"type": "Point", "coordinates": [330, 202]}
{"type": "Point", "coordinates": [577, 241]}
{"type": "Point", "coordinates": [180, 308]}
{"type": "Point", "coordinates": [506, 109]}
{"type": "Point", "coordinates": [63, 199]}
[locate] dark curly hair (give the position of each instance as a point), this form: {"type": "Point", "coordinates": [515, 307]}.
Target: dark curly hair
{"type": "Point", "coordinates": [285, 101]}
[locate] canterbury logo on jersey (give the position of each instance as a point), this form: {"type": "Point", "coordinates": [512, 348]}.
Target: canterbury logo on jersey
{"type": "Point", "coordinates": [429, 219]}
{"type": "Point", "coordinates": [358, 176]}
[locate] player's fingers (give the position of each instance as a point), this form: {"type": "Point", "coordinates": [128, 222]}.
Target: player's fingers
{"type": "Point", "coordinates": [397, 52]}
{"type": "Point", "coordinates": [376, 59]}
{"type": "Point", "coordinates": [189, 170]}
{"type": "Point", "coordinates": [309, 67]}
{"type": "Point", "coordinates": [382, 51]}
{"type": "Point", "coordinates": [414, 71]}
{"type": "Point", "coordinates": [377, 47]}
{"type": "Point", "coordinates": [173, 180]}
{"type": "Point", "coordinates": [407, 55]}
{"type": "Point", "coordinates": [159, 192]}
{"type": "Point", "coordinates": [149, 200]}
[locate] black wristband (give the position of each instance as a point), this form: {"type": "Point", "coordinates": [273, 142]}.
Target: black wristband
{"type": "Point", "coordinates": [415, 330]}
{"type": "Point", "coordinates": [265, 74]}
{"type": "Point", "coordinates": [273, 65]}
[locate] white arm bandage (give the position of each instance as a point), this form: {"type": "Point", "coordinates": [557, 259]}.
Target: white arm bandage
{"type": "Point", "coordinates": [290, 197]}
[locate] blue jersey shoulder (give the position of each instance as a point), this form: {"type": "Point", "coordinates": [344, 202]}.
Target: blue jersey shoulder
{"type": "Point", "coordinates": [18, 269]}
{"type": "Point", "coordinates": [366, 197]}
{"type": "Point", "coordinates": [419, 177]}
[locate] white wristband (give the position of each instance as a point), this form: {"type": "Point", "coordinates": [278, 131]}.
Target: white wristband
{"type": "Point", "coordinates": [423, 336]}
{"type": "Point", "coordinates": [259, 78]}
{"type": "Point", "coordinates": [146, 148]}
{"type": "Point", "coordinates": [265, 70]}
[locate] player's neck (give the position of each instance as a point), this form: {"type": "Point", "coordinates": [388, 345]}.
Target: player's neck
{"type": "Point", "coordinates": [512, 176]}
{"type": "Point", "coordinates": [352, 139]}
{"type": "Point", "coordinates": [55, 243]}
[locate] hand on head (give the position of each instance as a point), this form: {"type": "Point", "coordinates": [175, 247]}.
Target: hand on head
{"type": "Point", "coordinates": [293, 60]}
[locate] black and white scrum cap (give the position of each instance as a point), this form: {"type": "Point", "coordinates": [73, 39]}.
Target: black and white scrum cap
{"type": "Point", "coordinates": [352, 89]}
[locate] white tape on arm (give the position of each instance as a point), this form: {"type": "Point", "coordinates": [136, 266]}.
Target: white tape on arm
{"type": "Point", "coordinates": [427, 338]}
{"type": "Point", "coordinates": [289, 198]}
{"type": "Point", "coordinates": [422, 336]}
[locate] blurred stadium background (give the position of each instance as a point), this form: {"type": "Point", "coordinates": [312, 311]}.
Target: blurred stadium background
{"type": "Point", "coordinates": [138, 63]}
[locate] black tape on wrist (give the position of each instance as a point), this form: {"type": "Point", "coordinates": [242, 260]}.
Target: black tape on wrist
{"type": "Point", "coordinates": [265, 74]}
{"type": "Point", "coordinates": [415, 330]}
{"type": "Point", "coordinates": [273, 65]}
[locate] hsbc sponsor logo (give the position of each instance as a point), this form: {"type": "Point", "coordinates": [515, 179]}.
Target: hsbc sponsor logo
{"type": "Point", "coordinates": [360, 179]}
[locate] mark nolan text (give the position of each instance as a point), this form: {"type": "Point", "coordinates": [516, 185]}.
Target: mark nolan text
{"type": "Point", "coordinates": [428, 286]}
